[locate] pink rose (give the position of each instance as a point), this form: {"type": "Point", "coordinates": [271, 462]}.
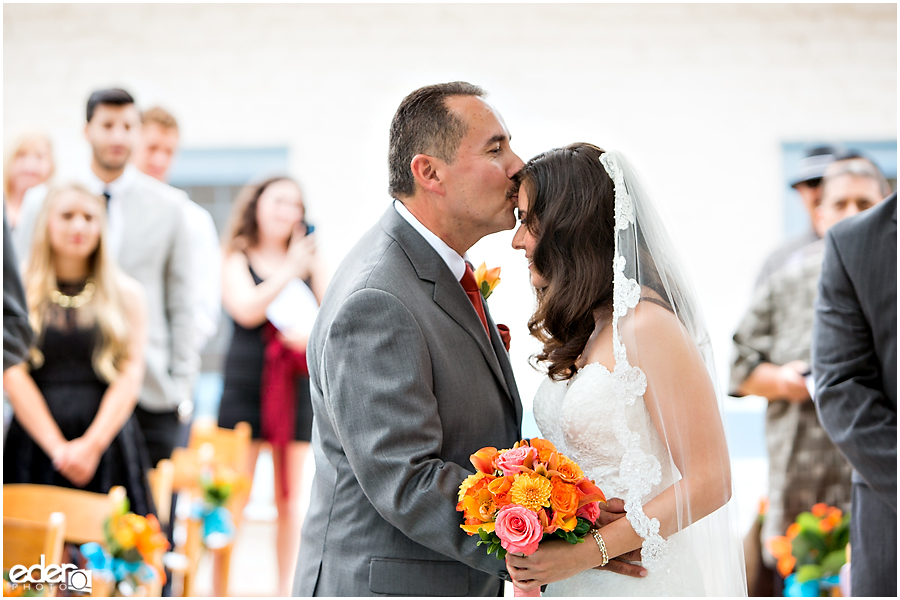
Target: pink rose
{"type": "Point", "coordinates": [519, 529]}
{"type": "Point", "coordinates": [510, 461]}
{"type": "Point", "coordinates": [590, 511]}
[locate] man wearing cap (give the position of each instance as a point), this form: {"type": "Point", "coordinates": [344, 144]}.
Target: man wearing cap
{"type": "Point", "coordinates": [807, 182]}
{"type": "Point", "coordinates": [772, 356]}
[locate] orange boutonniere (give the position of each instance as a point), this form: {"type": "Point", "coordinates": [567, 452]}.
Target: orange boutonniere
{"type": "Point", "coordinates": [487, 280]}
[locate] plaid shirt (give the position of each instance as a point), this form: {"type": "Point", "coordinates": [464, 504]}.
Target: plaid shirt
{"type": "Point", "coordinates": [805, 467]}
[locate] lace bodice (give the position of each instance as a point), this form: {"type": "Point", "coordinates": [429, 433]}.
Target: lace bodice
{"type": "Point", "coordinates": [579, 417]}
{"type": "Point", "coordinates": [608, 431]}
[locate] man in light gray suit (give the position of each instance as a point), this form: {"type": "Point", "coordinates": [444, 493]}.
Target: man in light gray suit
{"type": "Point", "coordinates": [407, 380]}
{"type": "Point", "coordinates": [855, 367]}
{"type": "Point", "coordinates": [149, 239]}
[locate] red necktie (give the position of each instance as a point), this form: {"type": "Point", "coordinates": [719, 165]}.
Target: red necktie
{"type": "Point", "coordinates": [471, 287]}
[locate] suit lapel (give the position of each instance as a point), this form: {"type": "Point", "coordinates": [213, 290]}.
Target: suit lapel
{"type": "Point", "coordinates": [448, 293]}
{"type": "Point", "coordinates": [503, 358]}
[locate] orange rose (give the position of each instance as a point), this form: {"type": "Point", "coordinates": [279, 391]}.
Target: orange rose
{"type": "Point", "coordinates": [500, 488]}
{"type": "Point", "coordinates": [568, 471]}
{"type": "Point", "coordinates": [544, 448]}
{"type": "Point", "coordinates": [793, 530]}
{"type": "Point", "coordinates": [819, 510]}
{"type": "Point", "coordinates": [564, 522]}
{"type": "Point", "coordinates": [563, 497]}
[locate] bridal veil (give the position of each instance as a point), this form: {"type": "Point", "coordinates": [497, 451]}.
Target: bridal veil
{"type": "Point", "coordinates": [647, 269]}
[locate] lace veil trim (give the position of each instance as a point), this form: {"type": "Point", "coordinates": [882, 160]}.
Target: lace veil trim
{"type": "Point", "coordinates": [639, 471]}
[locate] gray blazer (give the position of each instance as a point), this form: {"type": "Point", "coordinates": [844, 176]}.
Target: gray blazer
{"type": "Point", "coordinates": [17, 334]}
{"type": "Point", "coordinates": [155, 250]}
{"type": "Point", "coordinates": [855, 365]}
{"type": "Point", "coordinates": [405, 386]}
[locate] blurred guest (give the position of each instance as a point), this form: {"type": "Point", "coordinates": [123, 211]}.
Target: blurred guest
{"type": "Point", "coordinates": [150, 242]}
{"type": "Point", "coordinates": [29, 162]}
{"type": "Point", "coordinates": [272, 285]}
{"type": "Point", "coordinates": [808, 185]}
{"type": "Point", "coordinates": [855, 367]}
{"type": "Point", "coordinates": [74, 422]}
{"type": "Point", "coordinates": [153, 155]}
{"type": "Point", "coordinates": [17, 333]}
{"type": "Point", "coordinates": [771, 359]}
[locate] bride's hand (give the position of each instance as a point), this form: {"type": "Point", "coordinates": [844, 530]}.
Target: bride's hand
{"type": "Point", "coordinates": [555, 560]}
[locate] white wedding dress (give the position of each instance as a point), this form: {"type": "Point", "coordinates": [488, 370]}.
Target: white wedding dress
{"type": "Point", "coordinates": [599, 419]}
{"type": "Point", "coordinates": [583, 418]}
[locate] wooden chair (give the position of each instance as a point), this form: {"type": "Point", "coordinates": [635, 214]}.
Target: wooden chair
{"type": "Point", "coordinates": [230, 448]}
{"type": "Point", "coordinates": [24, 542]}
{"type": "Point", "coordinates": [86, 512]}
{"type": "Point", "coordinates": [162, 479]}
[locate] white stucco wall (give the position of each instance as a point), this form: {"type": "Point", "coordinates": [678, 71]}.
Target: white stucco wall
{"type": "Point", "coordinates": [701, 96]}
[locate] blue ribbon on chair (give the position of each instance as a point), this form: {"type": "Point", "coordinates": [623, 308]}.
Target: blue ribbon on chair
{"type": "Point", "coordinates": [100, 560]}
{"type": "Point", "coordinates": [218, 526]}
{"type": "Point", "coordinates": [808, 589]}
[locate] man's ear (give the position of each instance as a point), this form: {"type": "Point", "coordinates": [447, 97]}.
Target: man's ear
{"type": "Point", "coordinates": [86, 125]}
{"type": "Point", "coordinates": [426, 171]}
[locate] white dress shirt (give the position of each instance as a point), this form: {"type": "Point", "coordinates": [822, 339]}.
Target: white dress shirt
{"type": "Point", "coordinates": [455, 262]}
{"type": "Point", "coordinates": [117, 189]}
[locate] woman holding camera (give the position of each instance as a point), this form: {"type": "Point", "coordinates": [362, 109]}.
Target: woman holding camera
{"type": "Point", "coordinates": [272, 283]}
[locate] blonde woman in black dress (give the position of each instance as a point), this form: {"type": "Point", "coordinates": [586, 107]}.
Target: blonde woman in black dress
{"type": "Point", "coordinates": [74, 399]}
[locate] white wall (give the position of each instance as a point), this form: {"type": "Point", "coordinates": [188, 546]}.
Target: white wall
{"type": "Point", "coordinates": [701, 96]}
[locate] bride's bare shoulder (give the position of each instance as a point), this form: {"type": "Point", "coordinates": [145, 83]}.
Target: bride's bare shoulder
{"type": "Point", "coordinates": [653, 321]}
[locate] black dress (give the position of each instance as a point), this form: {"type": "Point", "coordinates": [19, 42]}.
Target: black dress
{"type": "Point", "coordinates": [73, 393]}
{"type": "Point", "coordinates": [243, 375]}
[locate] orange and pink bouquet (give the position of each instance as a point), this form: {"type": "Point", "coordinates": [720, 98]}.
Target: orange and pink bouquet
{"type": "Point", "coordinates": [521, 496]}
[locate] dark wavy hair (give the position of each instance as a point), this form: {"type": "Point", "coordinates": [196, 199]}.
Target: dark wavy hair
{"type": "Point", "coordinates": [571, 213]}
{"type": "Point", "coordinates": [243, 230]}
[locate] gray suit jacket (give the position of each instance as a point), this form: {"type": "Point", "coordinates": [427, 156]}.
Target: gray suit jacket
{"type": "Point", "coordinates": [405, 386]}
{"type": "Point", "coordinates": [855, 366]}
{"type": "Point", "coordinates": [17, 334]}
{"type": "Point", "coordinates": [155, 250]}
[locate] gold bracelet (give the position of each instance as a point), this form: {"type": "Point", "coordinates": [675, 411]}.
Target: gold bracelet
{"type": "Point", "coordinates": [602, 545]}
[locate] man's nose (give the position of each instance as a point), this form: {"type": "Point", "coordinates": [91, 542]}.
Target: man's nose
{"type": "Point", "coordinates": [516, 165]}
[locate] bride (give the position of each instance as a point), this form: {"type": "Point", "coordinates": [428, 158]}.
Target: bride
{"type": "Point", "coordinates": [630, 393]}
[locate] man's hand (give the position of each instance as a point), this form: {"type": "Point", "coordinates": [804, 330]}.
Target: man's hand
{"type": "Point", "coordinates": [792, 383]}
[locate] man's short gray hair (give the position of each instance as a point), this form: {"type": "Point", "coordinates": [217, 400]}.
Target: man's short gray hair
{"type": "Point", "coordinates": [424, 125]}
{"type": "Point", "coordinates": [857, 167]}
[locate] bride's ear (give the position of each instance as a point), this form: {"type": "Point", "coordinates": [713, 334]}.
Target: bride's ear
{"type": "Point", "coordinates": [426, 171]}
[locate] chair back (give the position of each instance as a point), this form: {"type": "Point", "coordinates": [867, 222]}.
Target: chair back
{"type": "Point", "coordinates": [86, 512]}
{"type": "Point", "coordinates": [162, 481]}
{"type": "Point", "coordinates": [231, 446]}
{"type": "Point", "coordinates": [25, 541]}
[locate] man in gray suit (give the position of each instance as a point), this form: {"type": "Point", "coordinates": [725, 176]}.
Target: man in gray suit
{"type": "Point", "coordinates": [149, 239]}
{"type": "Point", "coordinates": [855, 368]}
{"type": "Point", "coordinates": [407, 379]}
